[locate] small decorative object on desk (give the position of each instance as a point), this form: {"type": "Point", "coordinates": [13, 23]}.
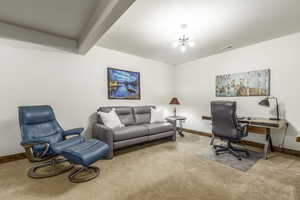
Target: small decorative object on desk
{"type": "Point", "coordinates": [173, 120]}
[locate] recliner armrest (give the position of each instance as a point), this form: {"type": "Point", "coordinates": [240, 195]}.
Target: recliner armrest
{"type": "Point", "coordinates": [75, 131]}
{"type": "Point", "coordinates": [33, 143]}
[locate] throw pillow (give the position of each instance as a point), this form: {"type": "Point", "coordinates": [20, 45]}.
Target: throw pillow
{"type": "Point", "coordinates": [157, 115]}
{"type": "Point", "coordinates": [111, 119]}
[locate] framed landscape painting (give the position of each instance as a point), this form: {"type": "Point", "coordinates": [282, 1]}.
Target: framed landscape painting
{"type": "Point", "coordinates": [254, 83]}
{"type": "Point", "coordinates": [123, 84]}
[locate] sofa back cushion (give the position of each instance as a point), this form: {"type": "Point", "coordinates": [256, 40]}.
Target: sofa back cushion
{"type": "Point", "coordinates": [124, 113]}
{"type": "Point", "coordinates": [142, 114]}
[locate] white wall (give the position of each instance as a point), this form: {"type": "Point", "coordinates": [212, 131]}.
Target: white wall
{"type": "Point", "coordinates": [195, 84]}
{"type": "Point", "coordinates": [74, 85]}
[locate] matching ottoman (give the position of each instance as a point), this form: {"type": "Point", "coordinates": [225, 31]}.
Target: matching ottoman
{"type": "Point", "coordinates": [83, 155]}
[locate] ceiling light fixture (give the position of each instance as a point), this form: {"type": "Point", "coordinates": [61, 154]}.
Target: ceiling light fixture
{"type": "Point", "coordinates": [184, 41]}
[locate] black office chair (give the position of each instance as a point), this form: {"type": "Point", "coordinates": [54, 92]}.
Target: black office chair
{"type": "Point", "coordinates": [226, 127]}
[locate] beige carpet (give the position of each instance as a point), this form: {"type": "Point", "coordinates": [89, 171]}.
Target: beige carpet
{"type": "Point", "coordinates": [282, 168]}
{"type": "Point", "coordinates": [170, 170]}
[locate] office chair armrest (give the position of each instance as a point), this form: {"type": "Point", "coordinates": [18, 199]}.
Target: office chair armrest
{"type": "Point", "coordinates": [243, 127]}
{"type": "Point", "coordinates": [29, 152]}
{"type": "Point", "coordinates": [75, 131]}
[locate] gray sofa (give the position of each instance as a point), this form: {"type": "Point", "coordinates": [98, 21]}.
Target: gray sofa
{"type": "Point", "coordinates": [138, 128]}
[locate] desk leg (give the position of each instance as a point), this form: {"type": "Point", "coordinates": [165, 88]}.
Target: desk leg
{"type": "Point", "coordinates": [271, 143]}
{"type": "Point", "coordinates": [268, 144]}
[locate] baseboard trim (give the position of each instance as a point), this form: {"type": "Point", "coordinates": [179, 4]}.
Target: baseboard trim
{"type": "Point", "coordinates": [13, 157]}
{"type": "Point", "coordinates": [20, 156]}
{"type": "Point", "coordinates": [197, 132]}
{"type": "Point", "coordinates": [250, 143]}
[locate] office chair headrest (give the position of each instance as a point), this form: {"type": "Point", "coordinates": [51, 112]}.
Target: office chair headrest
{"type": "Point", "coordinates": [227, 103]}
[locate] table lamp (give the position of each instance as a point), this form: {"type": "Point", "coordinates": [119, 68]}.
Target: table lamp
{"type": "Point", "coordinates": [174, 101]}
{"type": "Point", "coordinates": [266, 102]}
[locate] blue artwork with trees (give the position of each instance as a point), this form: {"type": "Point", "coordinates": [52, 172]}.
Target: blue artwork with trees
{"type": "Point", "coordinates": [254, 83]}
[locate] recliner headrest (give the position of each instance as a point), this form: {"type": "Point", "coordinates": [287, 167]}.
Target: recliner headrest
{"type": "Point", "coordinates": [35, 114]}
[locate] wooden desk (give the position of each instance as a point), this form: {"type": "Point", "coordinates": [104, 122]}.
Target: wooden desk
{"type": "Point", "coordinates": [262, 126]}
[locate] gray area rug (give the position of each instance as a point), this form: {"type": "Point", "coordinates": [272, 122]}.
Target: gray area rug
{"type": "Point", "coordinates": [227, 159]}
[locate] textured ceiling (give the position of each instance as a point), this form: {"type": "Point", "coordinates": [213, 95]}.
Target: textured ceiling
{"type": "Point", "coordinates": [149, 28]}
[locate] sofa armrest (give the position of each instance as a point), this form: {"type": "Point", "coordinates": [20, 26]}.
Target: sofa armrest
{"type": "Point", "coordinates": [173, 123]}
{"type": "Point", "coordinates": [106, 135]}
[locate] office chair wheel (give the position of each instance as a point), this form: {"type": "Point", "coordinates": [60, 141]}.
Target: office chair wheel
{"type": "Point", "coordinates": [84, 174]}
{"type": "Point", "coordinates": [247, 154]}
{"type": "Point", "coordinates": [50, 168]}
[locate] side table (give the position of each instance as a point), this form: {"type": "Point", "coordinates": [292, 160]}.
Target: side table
{"type": "Point", "coordinates": [173, 120]}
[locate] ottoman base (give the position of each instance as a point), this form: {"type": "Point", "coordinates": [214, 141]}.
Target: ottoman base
{"type": "Point", "coordinates": [84, 155]}
{"type": "Point", "coordinates": [84, 174]}
{"type": "Point", "coordinates": [49, 168]}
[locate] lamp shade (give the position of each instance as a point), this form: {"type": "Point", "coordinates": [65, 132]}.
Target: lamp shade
{"type": "Point", "coordinates": [265, 102]}
{"type": "Point", "coordinates": [174, 101]}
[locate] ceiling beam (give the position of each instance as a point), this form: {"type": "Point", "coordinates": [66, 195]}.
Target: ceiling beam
{"type": "Point", "coordinates": [106, 14]}
{"type": "Point", "coordinates": [15, 32]}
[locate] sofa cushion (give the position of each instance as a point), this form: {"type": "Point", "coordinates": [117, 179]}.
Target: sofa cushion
{"type": "Point", "coordinates": [142, 114]}
{"type": "Point", "coordinates": [124, 113]}
{"type": "Point", "coordinates": [159, 127]}
{"type": "Point", "coordinates": [129, 132]}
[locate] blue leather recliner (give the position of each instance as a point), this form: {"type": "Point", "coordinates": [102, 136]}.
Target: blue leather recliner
{"type": "Point", "coordinates": [44, 139]}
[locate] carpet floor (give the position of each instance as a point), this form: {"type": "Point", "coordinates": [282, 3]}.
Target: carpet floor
{"type": "Point", "coordinates": [162, 171]}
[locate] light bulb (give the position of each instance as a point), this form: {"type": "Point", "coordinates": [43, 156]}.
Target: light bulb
{"type": "Point", "coordinates": [191, 44]}
{"type": "Point", "coordinates": [183, 49]}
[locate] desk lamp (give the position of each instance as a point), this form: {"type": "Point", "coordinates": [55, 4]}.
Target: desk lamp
{"type": "Point", "coordinates": [174, 101]}
{"type": "Point", "coordinates": [266, 102]}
